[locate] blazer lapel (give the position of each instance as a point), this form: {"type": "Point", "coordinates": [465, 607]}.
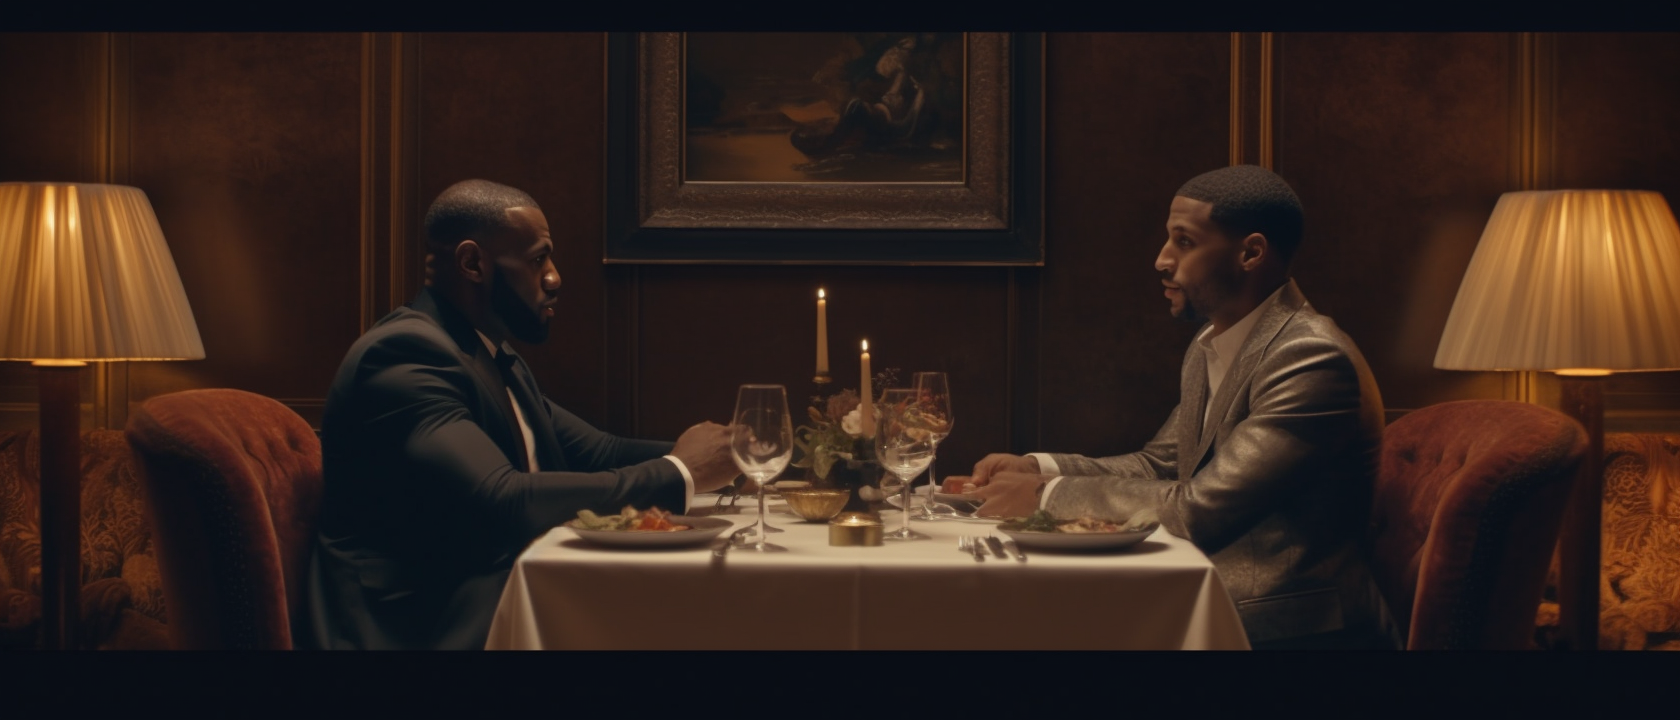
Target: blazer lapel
{"type": "Point", "coordinates": [1192, 393]}
{"type": "Point", "coordinates": [549, 454]}
{"type": "Point", "coordinates": [1238, 376]}
{"type": "Point", "coordinates": [496, 411]}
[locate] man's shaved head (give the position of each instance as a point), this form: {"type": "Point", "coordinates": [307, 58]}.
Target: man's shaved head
{"type": "Point", "coordinates": [471, 209]}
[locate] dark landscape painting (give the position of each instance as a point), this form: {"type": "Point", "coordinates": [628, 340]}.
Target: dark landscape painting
{"type": "Point", "coordinates": [823, 107]}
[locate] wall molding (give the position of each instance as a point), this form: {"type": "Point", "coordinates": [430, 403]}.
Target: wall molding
{"type": "Point", "coordinates": [390, 272]}
{"type": "Point", "coordinates": [109, 59]}
{"type": "Point", "coordinates": [1534, 151]}
{"type": "Point", "coordinates": [1253, 90]}
{"type": "Point", "coordinates": [310, 409]}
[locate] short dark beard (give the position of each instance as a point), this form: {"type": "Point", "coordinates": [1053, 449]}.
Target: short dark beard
{"type": "Point", "coordinates": [1189, 316]}
{"type": "Point", "coordinates": [525, 324]}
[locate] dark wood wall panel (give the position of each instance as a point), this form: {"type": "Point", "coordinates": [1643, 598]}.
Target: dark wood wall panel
{"type": "Point", "coordinates": [50, 122]}
{"type": "Point", "coordinates": [1130, 117]}
{"type": "Point", "coordinates": [251, 147]}
{"type": "Point", "coordinates": [1618, 127]}
{"type": "Point", "coordinates": [1398, 145]}
{"type": "Point", "coordinates": [707, 330]}
{"type": "Point", "coordinates": [525, 109]}
{"type": "Point", "coordinates": [248, 147]}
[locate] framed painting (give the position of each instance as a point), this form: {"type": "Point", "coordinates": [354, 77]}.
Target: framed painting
{"type": "Point", "coordinates": [825, 148]}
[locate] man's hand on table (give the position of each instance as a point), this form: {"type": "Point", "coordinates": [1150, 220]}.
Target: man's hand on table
{"type": "Point", "coordinates": [1010, 485]}
{"type": "Point", "coordinates": [1002, 462]}
{"type": "Point", "coordinates": [704, 448]}
{"type": "Point", "coordinates": [1010, 494]}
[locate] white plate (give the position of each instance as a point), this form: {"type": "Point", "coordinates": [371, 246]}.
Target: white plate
{"type": "Point", "coordinates": [1078, 541]}
{"type": "Point", "coordinates": [700, 531]}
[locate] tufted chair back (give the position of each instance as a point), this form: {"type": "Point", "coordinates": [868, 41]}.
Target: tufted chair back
{"type": "Point", "coordinates": [1468, 502]}
{"type": "Point", "coordinates": [233, 484]}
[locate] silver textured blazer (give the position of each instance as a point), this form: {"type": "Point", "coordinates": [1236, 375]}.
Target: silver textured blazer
{"type": "Point", "coordinates": [1276, 487]}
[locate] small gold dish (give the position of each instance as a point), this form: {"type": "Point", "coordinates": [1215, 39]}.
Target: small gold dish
{"type": "Point", "coordinates": [816, 504]}
{"type": "Point", "coordinates": [855, 529]}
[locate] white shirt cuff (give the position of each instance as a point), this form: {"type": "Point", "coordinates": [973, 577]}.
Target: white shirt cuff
{"type": "Point", "coordinates": [1049, 487]}
{"type": "Point", "coordinates": [1046, 464]}
{"type": "Point", "coordinates": [688, 482]}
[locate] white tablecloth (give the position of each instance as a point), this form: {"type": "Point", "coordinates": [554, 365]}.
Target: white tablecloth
{"type": "Point", "coordinates": [565, 593]}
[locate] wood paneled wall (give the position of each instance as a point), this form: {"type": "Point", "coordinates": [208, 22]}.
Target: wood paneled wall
{"type": "Point", "coordinates": [290, 171]}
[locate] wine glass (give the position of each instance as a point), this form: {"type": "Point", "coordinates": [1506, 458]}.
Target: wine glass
{"type": "Point", "coordinates": [934, 395]}
{"type": "Point", "coordinates": [762, 444]}
{"type": "Point", "coordinates": [904, 447]}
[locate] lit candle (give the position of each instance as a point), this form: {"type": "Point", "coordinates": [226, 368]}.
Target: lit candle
{"type": "Point", "coordinates": [867, 414]}
{"type": "Point", "coordinates": [822, 332]}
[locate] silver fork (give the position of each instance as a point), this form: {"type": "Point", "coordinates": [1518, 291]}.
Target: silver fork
{"type": "Point", "coordinates": [729, 491]}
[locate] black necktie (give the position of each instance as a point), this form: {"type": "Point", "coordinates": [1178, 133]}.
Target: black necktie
{"type": "Point", "coordinates": [510, 382]}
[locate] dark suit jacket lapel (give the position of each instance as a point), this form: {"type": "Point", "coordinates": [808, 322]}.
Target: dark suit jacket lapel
{"type": "Point", "coordinates": [1237, 377]}
{"type": "Point", "coordinates": [492, 402]}
{"type": "Point", "coordinates": [550, 457]}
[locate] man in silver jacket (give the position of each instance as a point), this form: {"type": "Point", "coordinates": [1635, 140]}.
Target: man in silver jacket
{"type": "Point", "coordinates": [1267, 463]}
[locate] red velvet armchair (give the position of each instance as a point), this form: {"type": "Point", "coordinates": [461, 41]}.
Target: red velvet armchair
{"type": "Point", "coordinates": [233, 484]}
{"type": "Point", "coordinates": [1468, 502]}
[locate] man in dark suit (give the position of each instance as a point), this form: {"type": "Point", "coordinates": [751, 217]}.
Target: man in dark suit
{"type": "Point", "coordinates": [442, 460]}
{"type": "Point", "coordinates": [1268, 461]}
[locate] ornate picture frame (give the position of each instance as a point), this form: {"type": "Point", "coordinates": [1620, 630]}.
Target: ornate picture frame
{"type": "Point", "coordinates": [916, 187]}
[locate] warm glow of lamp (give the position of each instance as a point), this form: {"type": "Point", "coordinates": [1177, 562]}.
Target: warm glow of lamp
{"type": "Point", "coordinates": [87, 278]}
{"type": "Point", "coordinates": [1582, 283]}
{"type": "Point", "coordinates": [90, 277]}
{"type": "Point", "coordinates": [1569, 281]}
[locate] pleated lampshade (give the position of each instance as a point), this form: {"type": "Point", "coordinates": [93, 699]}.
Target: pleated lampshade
{"type": "Point", "coordinates": [1582, 282]}
{"type": "Point", "coordinates": [87, 276]}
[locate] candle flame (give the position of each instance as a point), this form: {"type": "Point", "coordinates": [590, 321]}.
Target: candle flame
{"type": "Point", "coordinates": [866, 346]}
{"type": "Point", "coordinates": [820, 294]}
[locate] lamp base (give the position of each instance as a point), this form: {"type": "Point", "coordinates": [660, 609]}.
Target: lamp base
{"type": "Point", "coordinates": [1579, 556]}
{"type": "Point", "coordinates": [61, 503]}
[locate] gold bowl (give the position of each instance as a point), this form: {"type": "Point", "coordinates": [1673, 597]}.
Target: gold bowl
{"type": "Point", "coordinates": [816, 504]}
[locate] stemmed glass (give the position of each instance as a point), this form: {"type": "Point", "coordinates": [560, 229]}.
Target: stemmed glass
{"type": "Point", "coordinates": [904, 446]}
{"type": "Point", "coordinates": [934, 395]}
{"type": "Point", "coordinates": [762, 444]}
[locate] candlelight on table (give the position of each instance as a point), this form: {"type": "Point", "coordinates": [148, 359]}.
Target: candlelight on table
{"type": "Point", "coordinates": [822, 332]}
{"type": "Point", "coordinates": [867, 413]}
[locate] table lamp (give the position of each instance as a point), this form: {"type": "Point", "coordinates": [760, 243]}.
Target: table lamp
{"type": "Point", "coordinates": [87, 278]}
{"type": "Point", "coordinates": [1581, 283]}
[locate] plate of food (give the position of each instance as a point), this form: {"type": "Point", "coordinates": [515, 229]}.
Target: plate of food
{"type": "Point", "coordinates": [1041, 531]}
{"type": "Point", "coordinates": [646, 528]}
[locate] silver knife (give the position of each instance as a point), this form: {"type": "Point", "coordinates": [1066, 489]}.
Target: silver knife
{"type": "Point", "coordinates": [1016, 548]}
{"type": "Point", "coordinates": [997, 547]}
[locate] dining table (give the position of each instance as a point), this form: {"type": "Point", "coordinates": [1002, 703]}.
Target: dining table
{"type": "Point", "coordinates": [567, 593]}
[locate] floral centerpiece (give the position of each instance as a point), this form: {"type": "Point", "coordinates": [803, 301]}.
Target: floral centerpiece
{"type": "Point", "coordinates": [833, 447]}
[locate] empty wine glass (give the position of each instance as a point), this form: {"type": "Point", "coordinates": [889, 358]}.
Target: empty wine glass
{"type": "Point", "coordinates": [904, 447]}
{"type": "Point", "coordinates": [933, 394]}
{"type": "Point", "coordinates": [762, 444]}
